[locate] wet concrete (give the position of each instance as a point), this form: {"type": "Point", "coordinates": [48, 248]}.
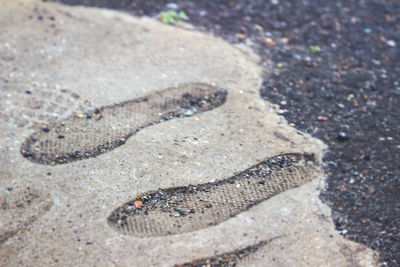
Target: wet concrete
{"type": "Point", "coordinates": [104, 57]}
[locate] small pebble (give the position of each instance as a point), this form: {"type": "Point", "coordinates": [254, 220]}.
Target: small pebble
{"type": "Point", "coordinates": [367, 30]}
{"type": "Point", "coordinates": [172, 6]}
{"type": "Point", "coordinates": [342, 136]}
{"type": "Point", "coordinates": [391, 43]}
{"type": "Point", "coordinates": [138, 203]}
{"type": "Point", "coordinates": [181, 212]}
{"type": "Point", "coordinates": [188, 113]}
{"type": "Point", "coordinates": [241, 36]}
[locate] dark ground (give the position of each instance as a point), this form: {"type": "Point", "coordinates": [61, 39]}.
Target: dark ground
{"type": "Point", "coordinates": [351, 85]}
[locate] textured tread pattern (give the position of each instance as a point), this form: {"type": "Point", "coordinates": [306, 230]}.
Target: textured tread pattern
{"type": "Point", "coordinates": [185, 209]}
{"type": "Point", "coordinates": [96, 132]}
{"type": "Point", "coordinates": [229, 259]}
{"type": "Point", "coordinates": [28, 105]}
{"type": "Point", "coordinates": [19, 208]}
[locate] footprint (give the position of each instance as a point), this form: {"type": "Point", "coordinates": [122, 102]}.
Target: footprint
{"type": "Point", "coordinates": [19, 208]}
{"type": "Point", "coordinates": [231, 258]}
{"type": "Point", "coordinates": [93, 133]}
{"type": "Point", "coordinates": [185, 209]}
{"type": "Point", "coordinates": [30, 104]}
